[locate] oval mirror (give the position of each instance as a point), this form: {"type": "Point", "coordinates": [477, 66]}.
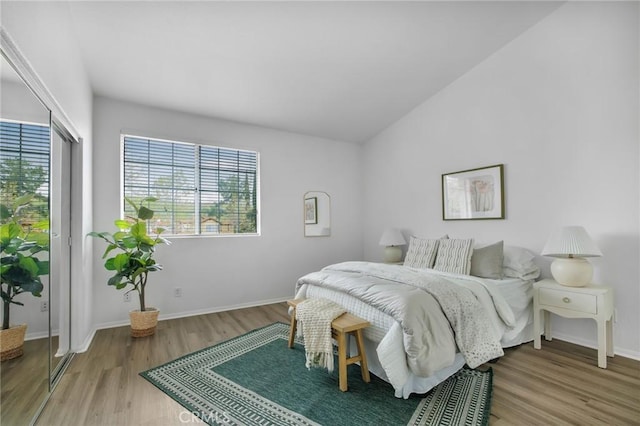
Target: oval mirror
{"type": "Point", "coordinates": [317, 214]}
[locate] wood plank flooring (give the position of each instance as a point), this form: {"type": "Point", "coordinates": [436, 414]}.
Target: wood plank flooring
{"type": "Point", "coordinates": [558, 385]}
{"type": "Point", "coordinates": [25, 383]}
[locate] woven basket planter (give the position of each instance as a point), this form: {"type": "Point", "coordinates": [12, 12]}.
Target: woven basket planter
{"type": "Point", "coordinates": [143, 323]}
{"type": "Point", "coordinates": [12, 341]}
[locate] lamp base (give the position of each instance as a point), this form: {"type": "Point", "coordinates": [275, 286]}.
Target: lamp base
{"type": "Point", "coordinates": [572, 272]}
{"type": "Point", "coordinates": [392, 254]}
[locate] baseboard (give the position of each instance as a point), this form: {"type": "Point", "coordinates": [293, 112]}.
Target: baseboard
{"type": "Point", "coordinates": [113, 324]}
{"type": "Point", "coordinates": [87, 342]}
{"type": "Point", "coordinates": [40, 335]}
{"type": "Point", "coordinates": [221, 309]}
{"type": "Point", "coordinates": [626, 353]}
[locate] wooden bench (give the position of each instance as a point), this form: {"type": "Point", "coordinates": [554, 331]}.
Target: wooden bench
{"type": "Point", "coordinates": [341, 327]}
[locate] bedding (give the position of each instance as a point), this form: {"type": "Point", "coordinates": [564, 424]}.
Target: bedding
{"type": "Point", "coordinates": [413, 343]}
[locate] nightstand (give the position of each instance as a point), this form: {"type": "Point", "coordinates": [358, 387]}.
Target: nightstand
{"type": "Point", "coordinates": [591, 301]}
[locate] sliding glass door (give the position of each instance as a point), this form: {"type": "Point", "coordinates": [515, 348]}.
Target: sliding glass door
{"type": "Point", "coordinates": [35, 208]}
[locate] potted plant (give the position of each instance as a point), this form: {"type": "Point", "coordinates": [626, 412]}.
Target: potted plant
{"type": "Point", "coordinates": [20, 268]}
{"type": "Point", "coordinates": [133, 260]}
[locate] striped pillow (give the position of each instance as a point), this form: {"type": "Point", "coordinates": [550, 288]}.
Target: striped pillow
{"type": "Point", "coordinates": [421, 253]}
{"type": "Point", "coordinates": [454, 255]}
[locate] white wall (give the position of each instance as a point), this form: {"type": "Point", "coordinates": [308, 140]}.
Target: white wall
{"type": "Point", "coordinates": [217, 273]}
{"type": "Point", "coordinates": [44, 34]}
{"type": "Point", "coordinates": [559, 107]}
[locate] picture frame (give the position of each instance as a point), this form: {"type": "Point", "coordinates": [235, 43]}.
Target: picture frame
{"type": "Point", "coordinates": [311, 211]}
{"type": "Point", "coordinates": [474, 194]}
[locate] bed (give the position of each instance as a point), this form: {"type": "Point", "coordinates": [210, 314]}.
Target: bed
{"type": "Point", "coordinates": [427, 323]}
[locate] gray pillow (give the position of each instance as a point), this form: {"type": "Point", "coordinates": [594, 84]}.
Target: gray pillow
{"type": "Point", "coordinates": [486, 262]}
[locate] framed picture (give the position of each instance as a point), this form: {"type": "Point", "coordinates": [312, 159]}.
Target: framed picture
{"type": "Point", "coordinates": [473, 194]}
{"type": "Point", "coordinates": [311, 211]}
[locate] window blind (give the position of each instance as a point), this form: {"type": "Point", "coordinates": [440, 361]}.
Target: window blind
{"type": "Point", "coordinates": [201, 189]}
{"type": "Point", "coordinates": [24, 166]}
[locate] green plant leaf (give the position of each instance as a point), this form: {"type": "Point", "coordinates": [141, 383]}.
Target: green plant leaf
{"type": "Point", "coordinates": [121, 261]}
{"type": "Point", "coordinates": [120, 235]}
{"type": "Point", "coordinates": [9, 231]}
{"type": "Point", "coordinates": [29, 265]}
{"type": "Point", "coordinates": [145, 213]}
{"type": "Point", "coordinates": [5, 213]}
{"type": "Point", "coordinates": [43, 267]}
{"type": "Point", "coordinates": [130, 242]}
{"type": "Point", "coordinates": [34, 287]}
{"type": "Point", "coordinates": [39, 238]}
{"type": "Point", "coordinates": [115, 280]}
{"type": "Point", "coordinates": [109, 249]}
{"type": "Point", "coordinates": [139, 230]}
{"type": "Point", "coordinates": [43, 225]}
{"type": "Point", "coordinates": [109, 265]}
{"type": "Point", "coordinates": [122, 224]}
{"type": "Point", "coordinates": [21, 201]}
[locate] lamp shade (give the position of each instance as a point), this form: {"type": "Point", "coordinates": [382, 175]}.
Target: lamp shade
{"type": "Point", "coordinates": [392, 237]}
{"type": "Point", "coordinates": [569, 242]}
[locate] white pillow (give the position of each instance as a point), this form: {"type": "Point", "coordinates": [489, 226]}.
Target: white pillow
{"type": "Point", "coordinates": [454, 255]}
{"type": "Point", "coordinates": [519, 263]}
{"type": "Point", "coordinates": [421, 253]}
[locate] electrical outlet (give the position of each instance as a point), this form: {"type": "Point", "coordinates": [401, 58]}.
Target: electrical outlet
{"type": "Point", "coordinates": [44, 306]}
{"type": "Point", "coordinates": [126, 297]}
{"type": "Point", "coordinates": [177, 292]}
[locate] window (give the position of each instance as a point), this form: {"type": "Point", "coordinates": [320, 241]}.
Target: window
{"type": "Point", "coordinates": [201, 189]}
{"type": "Point", "coordinates": [24, 167]}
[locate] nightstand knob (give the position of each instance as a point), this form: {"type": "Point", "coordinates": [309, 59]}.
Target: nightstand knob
{"type": "Point", "coordinates": [566, 300]}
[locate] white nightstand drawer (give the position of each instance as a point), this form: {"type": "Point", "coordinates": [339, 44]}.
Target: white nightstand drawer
{"type": "Point", "coordinates": [566, 299]}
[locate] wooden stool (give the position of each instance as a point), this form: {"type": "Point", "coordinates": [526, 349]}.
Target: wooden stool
{"type": "Point", "coordinates": [341, 327]}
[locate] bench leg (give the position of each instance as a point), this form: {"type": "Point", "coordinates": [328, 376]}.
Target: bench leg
{"type": "Point", "coordinates": [342, 360]}
{"type": "Point", "coordinates": [364, 368]}
{"type": "Point", "coordinates": [292, 329]}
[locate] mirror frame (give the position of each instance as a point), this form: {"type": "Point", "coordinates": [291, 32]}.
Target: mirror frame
{"type": "Point", "coordinates": [316, 214]}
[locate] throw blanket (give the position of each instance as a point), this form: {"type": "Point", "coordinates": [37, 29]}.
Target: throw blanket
{"type": "Point", "coordinates": [314, 324]}
{"type": "Point", "coordinates": [434, 313]}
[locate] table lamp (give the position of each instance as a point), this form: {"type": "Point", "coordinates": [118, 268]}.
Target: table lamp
{"type": "Point", "coordinates": [570, 245]}
{"type": "Point", "coordinates": [392, 239]}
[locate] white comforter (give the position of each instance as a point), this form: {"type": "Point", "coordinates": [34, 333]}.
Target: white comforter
{"type": "Point", "coordinates": [435, 314]}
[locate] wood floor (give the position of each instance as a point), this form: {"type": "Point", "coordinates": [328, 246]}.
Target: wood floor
{"type": "Point", "coordinates": [25, 383]}
{"type": "Point", "coordinates": [557, 385]}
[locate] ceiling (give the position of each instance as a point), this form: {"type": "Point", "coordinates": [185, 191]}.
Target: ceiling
{"type": "Point", "coordinates": [337, 70]}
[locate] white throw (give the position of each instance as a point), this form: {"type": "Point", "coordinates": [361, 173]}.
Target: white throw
{"type": "Point", "coordinates": [314, 324]}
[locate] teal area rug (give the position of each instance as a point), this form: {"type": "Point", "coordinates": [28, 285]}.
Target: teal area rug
{"type": "Point", "coordinates": [256, 379]}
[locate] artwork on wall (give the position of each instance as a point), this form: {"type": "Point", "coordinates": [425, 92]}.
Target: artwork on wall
{"type": "Point", "coordinates": [473, 194]}
{"type": "Point", "coordinates": [311, 210]}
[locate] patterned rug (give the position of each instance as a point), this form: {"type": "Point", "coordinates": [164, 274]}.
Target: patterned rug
{"type": "Point", "coordinates": [256, 379]}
